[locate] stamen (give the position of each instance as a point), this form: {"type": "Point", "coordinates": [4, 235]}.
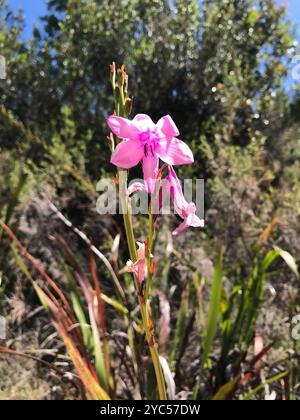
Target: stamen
{"type": "Point", "coordinates": [149, 140]}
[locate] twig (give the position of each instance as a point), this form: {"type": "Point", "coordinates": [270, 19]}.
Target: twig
{"type": "Point", "coordinates": [95, 250]}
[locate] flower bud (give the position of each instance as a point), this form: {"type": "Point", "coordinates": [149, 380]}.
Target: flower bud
{"type": "Point", "coordinates": [112, 68]}
{"type": "Point", "coordinates": [128, 106]}
{"type": "Point", "coordinates": [122, 76]}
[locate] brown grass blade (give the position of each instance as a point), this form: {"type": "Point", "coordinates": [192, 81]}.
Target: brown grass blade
{"type": "Point", "coordinates": [94, 390]}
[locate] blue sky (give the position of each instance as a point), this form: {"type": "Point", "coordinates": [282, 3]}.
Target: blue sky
{"type": "Point", "coordinates": [33, 9]}
{"type": "Point", "coordinates": [293, 7]}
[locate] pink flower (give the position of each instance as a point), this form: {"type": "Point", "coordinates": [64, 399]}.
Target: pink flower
{"type": "Point", "coordinates": [147, 142]}
{"type": "Point", "coordinates": [139, 267]}
{"type": "Point", "coordinates": [187, 211]}
{"type": "Point", "coordinates": [135, 187]}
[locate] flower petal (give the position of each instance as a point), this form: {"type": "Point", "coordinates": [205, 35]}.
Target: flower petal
{"type": "Point", "coordinates": [176, 193]}
{"type": "Point", "coordinates": [141, 250]}
{"type": "Point", "coordinates": [150, 169]}
{"type": "Point", "coordinates": [168, 127]}
{"type": "Point", "coordinates": [122, 127]}
{"type": "Point", "coordinates": [191, 221]}
{"type": "Point", "coordinates": [141, 268]}
{"type": "Point", "coordinates": [181, 228]}
{"type": "Point", "coordinates": [174, 152]}
{"type": "Point", "coordinates": [143, 122]}
{"type": "Point", "coordinates": [195, 221]}
{"type": "Point", "coordinates": [127, 154]}
{"type": "Point", "coordinates": [135, 187]}
{"type": "Point", "coordinates": [130, 267]}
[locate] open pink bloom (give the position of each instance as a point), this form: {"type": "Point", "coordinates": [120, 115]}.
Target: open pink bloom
{"type": "Point", "coordinates": [147, 142]}
{"type": "Point", "coordinates": [139, 267]}
{"type": "Point", "coordinates": [135, 187]}
{"type": "Point", "coordinates": [187, 211]}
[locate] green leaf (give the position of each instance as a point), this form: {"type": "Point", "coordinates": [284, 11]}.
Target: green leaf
{"type": "Point", "coordinates": [262, 385]}
{"type": "Point", "coordinates": [214, 309]}
{"type": "Point", "coordinates": [78, 307]}
{"type": "Point", "coordinates": [15, 197]}
{"type": "Point", "coordinates": [289, 259]}
{"type": "Point", "coordinates": [182, 317]}
{"type": "Point", "coordinates": [226, 389]}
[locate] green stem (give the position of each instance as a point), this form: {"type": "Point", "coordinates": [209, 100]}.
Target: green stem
{"type": "Point", "coordinates": [126, 209]}
{"type": "Point", "coordinates": [149, 331]}
{"type": "Point", "coordinates": [148, 255]}
{"type": "Point", "coordinates": [147, 323]}
{"type": "Point", "coordinates": [127, 216]}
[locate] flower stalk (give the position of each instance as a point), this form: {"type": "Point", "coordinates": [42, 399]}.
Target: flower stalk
{"type": "Point", "coordinates": [123, 105]}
